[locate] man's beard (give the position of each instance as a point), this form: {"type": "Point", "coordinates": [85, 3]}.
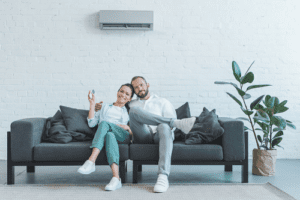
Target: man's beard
{"type": "Point", "coordinates": [142, 96]}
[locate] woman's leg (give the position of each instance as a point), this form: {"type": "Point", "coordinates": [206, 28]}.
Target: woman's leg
{"type": "Point", "coordinates": [98, 141]}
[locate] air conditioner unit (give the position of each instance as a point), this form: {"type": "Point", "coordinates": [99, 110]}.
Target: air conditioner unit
{"type": "Point", "coordinates": [126, 20]}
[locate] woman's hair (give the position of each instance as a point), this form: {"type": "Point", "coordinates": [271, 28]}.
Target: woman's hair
{"type": "Point", "coordinates": [132, 93]}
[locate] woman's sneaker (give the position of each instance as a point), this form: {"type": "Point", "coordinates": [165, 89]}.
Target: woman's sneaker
{"type": "Point", "coordinates": [114, 184]}
{"type": "Point", "coordinates": [87, 168]}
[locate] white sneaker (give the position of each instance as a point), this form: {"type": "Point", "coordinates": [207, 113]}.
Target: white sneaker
{"type": "Point", "coordinates": [114, 184]}
{"type": "Point", "coordinates": [87, 168]}
{"type": "Point", "coordinates": [162, 183]}
{"type": "Point", "coordinates": [185, 124]}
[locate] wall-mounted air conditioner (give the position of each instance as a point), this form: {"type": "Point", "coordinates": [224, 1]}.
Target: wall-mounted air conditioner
{"type": "Point", "coordinates": [126, 20]}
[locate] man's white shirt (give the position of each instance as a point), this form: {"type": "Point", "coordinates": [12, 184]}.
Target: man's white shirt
{"type": "Point", "coordinates": [156, 105]}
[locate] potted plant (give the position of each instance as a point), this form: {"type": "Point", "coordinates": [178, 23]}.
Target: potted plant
{"type": "Point", "coordinates": [266, 117]}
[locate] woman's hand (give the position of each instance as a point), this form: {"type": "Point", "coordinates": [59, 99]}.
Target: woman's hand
{"type": "Point", "coordinates": [125, 127]}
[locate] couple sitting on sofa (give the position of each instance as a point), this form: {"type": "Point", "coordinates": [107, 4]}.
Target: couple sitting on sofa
{"type": "Point", "coordinates": [152, 119]}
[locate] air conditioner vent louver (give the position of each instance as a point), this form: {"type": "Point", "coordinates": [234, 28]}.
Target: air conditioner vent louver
{"type": "Point", "coordinates": [126, 20]}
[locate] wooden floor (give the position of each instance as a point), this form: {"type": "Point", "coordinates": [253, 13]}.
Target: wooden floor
{"type": "Point", "coordinates": [287, 176]}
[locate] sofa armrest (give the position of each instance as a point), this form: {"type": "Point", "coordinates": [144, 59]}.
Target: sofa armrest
{"type": "Point", "coordinates": [25, 134]}
{"type": "Point", "coordinates": [233, 140]}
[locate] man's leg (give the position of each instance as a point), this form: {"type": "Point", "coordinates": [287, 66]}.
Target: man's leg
{"type": "Point", "coordinates": [163, 137]}
{"type": "Point", "coordinates": [139, 121]}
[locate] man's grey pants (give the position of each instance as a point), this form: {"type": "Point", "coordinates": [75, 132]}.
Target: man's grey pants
{"type": "Point", "coordinates": [139, 121]}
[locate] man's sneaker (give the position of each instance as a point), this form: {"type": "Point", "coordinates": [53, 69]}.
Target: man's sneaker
{"type": "Point", "coordinates": [162, 183]}
{"type": "Point", "coordinates": [185, 124]}
{"type": "Point", "coordinates": [87, 168]}
{"type": "Point", "coordinates": [114, 184]}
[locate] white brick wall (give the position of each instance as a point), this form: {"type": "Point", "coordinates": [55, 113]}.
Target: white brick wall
{"type": "Point", "coordinates": [53, 52]}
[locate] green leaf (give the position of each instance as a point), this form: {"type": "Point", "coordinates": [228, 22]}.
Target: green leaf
{"type": "Point", "coordinates": [271, 102]}
{"type": "Point", "coordinates": [222, 82]}
{"type": "Point", "coordinates": [259, 107]}
{"type": "Point", "coordinates": [236, 71]}
{"type": "Point", "coordinates": [262, 116]}
{"type": "Point", "coordinates": [246, 128]}
{"type": "Point", "coordinates": [278, 134]}
{"type": "Point", "coordinates": [288, 121]}
{"type": "Point", "coordinates": [256, 101]}
{"type": "Point", "coordinates": [283, 103]}
{"type": "Point", "coordinates": [291, 125]}
{"type": "Point", "coordinates": [267, 99]}
{"type": "Point", "coordinates": [256, 86]}
{"type": "Point", "coordinates": [248, 78]}
{"type": "Point", "coordinates": [259, 138]}
{"type": "Point", "coordinates": [241, 92]}
{"type": "Point", "coordinates": [279, 122]}
{"type": "Point", "coordinates": [234, 98]}
{"type": "Point", "coordinates": [276, 129]}
{"type": "Point", "coordinates": [247, 112]}
{"type": "Point", "coordinates": [243, 118]}
{"type": "Point", "coordinates": [279, 146]}
{"type": "Point", "coordinates": [247, 96]}
{"type": "Point", "coordinates": [258, 129]}
{"type": "Point", "coordinates": [281, 109]}
{"type": "Point", "coordinates": [276, 141]}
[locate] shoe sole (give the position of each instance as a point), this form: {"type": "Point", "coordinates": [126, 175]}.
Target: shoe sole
{"type": "Point", "coordinates": [85, 173]}
{"type": "Point", "coordinates": [118, 187]}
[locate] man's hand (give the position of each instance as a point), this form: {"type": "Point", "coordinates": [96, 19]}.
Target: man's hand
{"type": "Point", "coordinates": [98, 106]}
{"type": "Point", "coordinates": [125, 127]}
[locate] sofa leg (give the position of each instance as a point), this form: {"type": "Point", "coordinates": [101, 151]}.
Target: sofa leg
{"type": "Point", "coordinates": [30, 169]}
{"type": "Point", "coordinates": [140, 167]}
{"type": "Point", "coordinates": [10, 174]}
{"type": "Point", "coordinates": [245, 173]}
{"type": "Point", "coordinates": [228, 168]}
{"type": "Point", "coordinates": [122, 171]}
{"type": "Point", "coordinates": [135, 172]}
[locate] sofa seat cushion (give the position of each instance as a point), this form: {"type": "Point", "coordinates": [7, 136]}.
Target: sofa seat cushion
{"type": "Point", "coordinates": [181, 152]}
{"type": "Point", "coordinates": [73, 151]}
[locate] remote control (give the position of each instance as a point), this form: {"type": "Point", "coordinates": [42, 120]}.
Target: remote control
{"type": "Point", "coordinates": [91, 96]}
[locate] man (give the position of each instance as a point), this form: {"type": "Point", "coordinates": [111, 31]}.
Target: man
{"type": "Point", "coordinates": [152, 120]}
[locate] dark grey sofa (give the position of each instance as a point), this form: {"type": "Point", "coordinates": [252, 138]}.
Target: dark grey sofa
{"type": "Point", "coordinates": [24, 148]}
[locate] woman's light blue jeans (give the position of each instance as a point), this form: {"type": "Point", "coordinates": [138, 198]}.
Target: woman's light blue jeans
{"type": "Point", "coordinates": [111, 133]}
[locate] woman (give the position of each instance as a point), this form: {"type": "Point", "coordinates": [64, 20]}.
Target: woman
{"type": "Point", "coordinates": [112, 122]}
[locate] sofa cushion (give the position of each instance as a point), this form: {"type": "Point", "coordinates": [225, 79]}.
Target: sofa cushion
{"type": "Point", "coordinates": [73, 151]}
{"type": "Point", "coordinates": [206, 128]}
{"type": "Point", "coordinates": [181, 152]}
{"type": "Point", "coordinates": [182, 112]}
{"type": "Point", "coordinates": [76, 120]}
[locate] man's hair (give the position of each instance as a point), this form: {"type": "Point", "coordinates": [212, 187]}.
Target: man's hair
{"type": "Point", "coordinates": [133, 79]}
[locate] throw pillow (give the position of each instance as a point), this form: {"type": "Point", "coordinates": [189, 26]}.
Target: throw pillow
{"type": "Point", "coordinates": [76, 120]}
{"type": "Point", "coordinates": [56, 131]}
{"type": "Point", "coordinates": [182, 112]}
{"type": "Point", "coordinates": [206, 128]}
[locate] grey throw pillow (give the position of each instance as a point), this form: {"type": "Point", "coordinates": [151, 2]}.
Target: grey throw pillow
{"type": "Point", "coordinates": [76, 120]}
{"type": "Point", "coordinates": [206, 128]}
{"type": "Point", "coordinates": [182, 112]}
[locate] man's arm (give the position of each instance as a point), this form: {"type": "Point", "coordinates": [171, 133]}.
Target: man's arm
{"type": "Point", "coordinates": [168, 110]}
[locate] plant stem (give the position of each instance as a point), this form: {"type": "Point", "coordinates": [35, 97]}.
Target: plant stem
{"type": "Point", "coordinates": [251, 124]}
{"type": "Point", "coordinates": [271, 137]}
